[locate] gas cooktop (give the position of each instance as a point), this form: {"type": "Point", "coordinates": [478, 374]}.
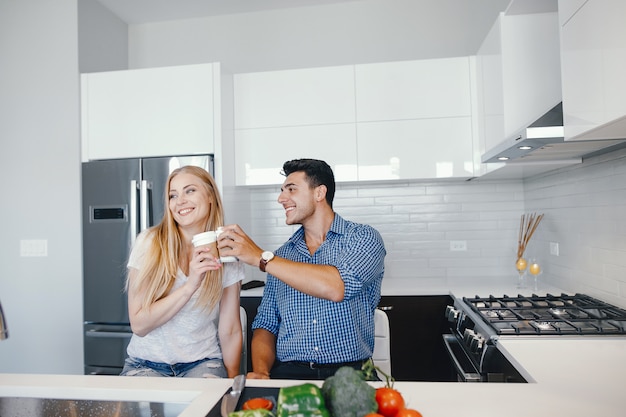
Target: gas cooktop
{"type": "Point", "coordinates": [577, 314]}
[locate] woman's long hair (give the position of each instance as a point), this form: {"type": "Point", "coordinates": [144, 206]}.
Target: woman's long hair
{"type": "Point", "coordinates": [162, 259]}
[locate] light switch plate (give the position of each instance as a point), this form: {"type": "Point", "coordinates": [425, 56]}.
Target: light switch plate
{"type": "Point", "coordinates": [36, 247]}
{"type": "Point", "coordinates": [554, 248]}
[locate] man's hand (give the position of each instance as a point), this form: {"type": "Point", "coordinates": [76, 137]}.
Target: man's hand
{"type": "Point", "coordinates": [233, 241]}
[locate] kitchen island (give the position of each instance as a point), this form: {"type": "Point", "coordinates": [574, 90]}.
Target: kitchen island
{"type": "Point", "coordinates": [582, 377]}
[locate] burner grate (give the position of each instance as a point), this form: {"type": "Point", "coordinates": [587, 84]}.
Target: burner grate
{"type": "Point", "coordinates": [549, 315]}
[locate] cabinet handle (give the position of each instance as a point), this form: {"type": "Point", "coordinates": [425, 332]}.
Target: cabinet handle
{"type": "Point", "coordinates": [385, 308]}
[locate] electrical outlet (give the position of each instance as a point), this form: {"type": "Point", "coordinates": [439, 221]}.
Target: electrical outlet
{"type": "Point", "coordinates": [554, 248]}
{"type": "Point", "coordinates": [34, 247]}
{"type": "Point", "coordinates": [458, 245]}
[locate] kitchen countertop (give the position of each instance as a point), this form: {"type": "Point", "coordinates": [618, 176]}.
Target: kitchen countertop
{"type": "Point", "coordinates": [571, 376]}
{"type": "Point", "coordinates": [460, 287]}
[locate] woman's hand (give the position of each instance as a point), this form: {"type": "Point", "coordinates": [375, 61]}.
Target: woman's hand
{"type": "Point", "coordinates": [204, 259]}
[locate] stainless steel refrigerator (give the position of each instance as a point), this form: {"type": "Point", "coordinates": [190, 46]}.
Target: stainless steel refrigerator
{"type": "Point", "coordinates": [120, 199]}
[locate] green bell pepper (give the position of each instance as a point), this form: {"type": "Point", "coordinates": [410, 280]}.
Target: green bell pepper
{"type": "Point", "coordinates": [305, 400]}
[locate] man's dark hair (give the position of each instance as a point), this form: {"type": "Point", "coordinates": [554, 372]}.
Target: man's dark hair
{"type": "Point", "coordinates": [317, 173]}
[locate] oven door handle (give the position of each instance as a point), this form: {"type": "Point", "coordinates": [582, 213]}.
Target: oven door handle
{"type": "Point", "coordinates": [472, 375]}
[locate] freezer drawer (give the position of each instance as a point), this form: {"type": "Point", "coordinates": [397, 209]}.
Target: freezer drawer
{"type": "Point", "coordinates": [105, 345]}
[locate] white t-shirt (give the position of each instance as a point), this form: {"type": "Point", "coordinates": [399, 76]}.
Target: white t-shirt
{"type": "Point", "coordinates": [191, 334]}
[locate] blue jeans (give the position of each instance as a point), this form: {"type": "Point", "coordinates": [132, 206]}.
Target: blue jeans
{"type": "Point", "coordinates": [204, 368]}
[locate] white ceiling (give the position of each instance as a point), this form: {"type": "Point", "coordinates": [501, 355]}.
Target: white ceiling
{"type": "Point", "coordinates": [144, 11]}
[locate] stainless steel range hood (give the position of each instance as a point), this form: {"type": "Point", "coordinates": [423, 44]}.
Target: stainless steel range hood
{"type": "Point", "coordinates": [543, 141]}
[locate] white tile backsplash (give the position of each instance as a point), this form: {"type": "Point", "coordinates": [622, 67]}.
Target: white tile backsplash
{"type": "Point", "coordinates": [584, 207]}
{"type": "Point", "coordinates": [585, 212]}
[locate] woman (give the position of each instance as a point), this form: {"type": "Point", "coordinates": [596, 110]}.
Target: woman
{"type": "Point", "coordinates": [183, 304]}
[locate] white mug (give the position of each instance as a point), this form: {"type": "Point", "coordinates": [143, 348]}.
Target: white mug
{"type": "Point", "coordinates": [211, 236]}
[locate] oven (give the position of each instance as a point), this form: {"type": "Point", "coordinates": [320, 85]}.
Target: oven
{"type": "Point", "coordinates": [476, 325]}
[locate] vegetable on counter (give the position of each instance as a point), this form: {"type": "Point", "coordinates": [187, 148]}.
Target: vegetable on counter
{"type": "Point", "coordinates": [348, 395]}
{"type": "Point", "coordinates": [302, 400]}
{"type": "Point", "coordinates": [258, 403]}
{"type": "Point", "coordinates": [345, 394]}
{"type": "Point", "coordinates": [389, 401]}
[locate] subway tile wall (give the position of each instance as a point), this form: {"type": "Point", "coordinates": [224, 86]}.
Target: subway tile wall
{"type": "Point", "coordinates": [585, 213]}
{"type": "Point", "coordinates": [417, 220]}
{"type": "Point", "coordinates": [584, 207]}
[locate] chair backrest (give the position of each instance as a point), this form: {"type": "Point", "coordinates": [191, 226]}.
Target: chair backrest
{"type": "Point", "coordinates": [244, 348]}
{"type": "Point", "coordinates": [382, 347]}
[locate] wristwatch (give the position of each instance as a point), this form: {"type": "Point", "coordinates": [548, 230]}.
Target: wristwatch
{"type": "Point", "coordinates": [266, 257]}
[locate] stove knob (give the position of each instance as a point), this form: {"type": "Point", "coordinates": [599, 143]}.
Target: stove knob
{"type": "Point", "coordinates": [476, 345]}
{"type": "Point", "coordinates": [452, 314]}
{"type": "Point", "coordinates": [468, 335]}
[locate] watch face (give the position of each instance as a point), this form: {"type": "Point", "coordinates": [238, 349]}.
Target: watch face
{"type": "Point", "coordinates": [267, 256]}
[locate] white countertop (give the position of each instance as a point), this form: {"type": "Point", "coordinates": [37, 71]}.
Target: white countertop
{"type": "Point", "coordinates": [460, 287]}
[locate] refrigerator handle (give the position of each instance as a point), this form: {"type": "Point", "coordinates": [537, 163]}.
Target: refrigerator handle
{"type": "Point", "coordinates": [144, 205]}
{"type": "Point", "coordinates": [133, 212]}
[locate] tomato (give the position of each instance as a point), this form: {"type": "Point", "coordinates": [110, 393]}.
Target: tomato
{"type": "Point", "coordinates": [389, 401]}
{"type": "Point", "coordinates": [373, 415]}
{"type": "Point", "coordinates": [258, 403]}
{"type": "Point", "coordinates": [408, 412]}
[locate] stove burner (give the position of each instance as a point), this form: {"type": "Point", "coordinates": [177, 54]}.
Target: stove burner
{"type": "Point", "coordinates": [576, 314]}
{"type": "Point", "coordinates": [499, 314]}
{"type": "Point", "coordinates": [542, 325]}
{"type": "Point", "coordinates": [557, 311]}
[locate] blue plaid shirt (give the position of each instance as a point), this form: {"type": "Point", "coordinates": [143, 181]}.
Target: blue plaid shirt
{"type": "Point", "coordinates": [311, 329]}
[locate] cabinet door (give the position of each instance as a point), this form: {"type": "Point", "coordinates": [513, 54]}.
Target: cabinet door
{"type": "Point", "coordinates": [593, 60]}
{"type": "Point", "coordinates": [262, 152]}
{"type": "Point", "coordinates": [416, 325]}
{"type": "Point", "coordinates": [148, 112]}
{"type": "Point", "coordinates": [311, 96]}
{"type": "Point", "coordinates": [413, 89]}
{"type": "Point", "coordinates": [423, 148]}
{"type": "Point", "coordinates": [251, 305]}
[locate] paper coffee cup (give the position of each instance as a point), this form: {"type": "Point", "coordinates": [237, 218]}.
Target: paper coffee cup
{"type": "Point", "coordinates": [205, 238]}
{"type": "Point", "coordinates": [209, 237]}
{"type": "Point", "coordinates": [218, 232]}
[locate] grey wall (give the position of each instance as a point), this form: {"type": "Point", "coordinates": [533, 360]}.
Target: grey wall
{"type": "Point", "coordinates": [335, 34]}
{"type": "Point", "coordinates": [102, 38]}
{"type": "Point", "coordinates": [39, 174]}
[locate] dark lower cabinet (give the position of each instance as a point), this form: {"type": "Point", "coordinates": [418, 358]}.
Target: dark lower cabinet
{"type": "Point", "coordinates": [250, 304]}
{"type": "Point", "coordinates": [416, 325]}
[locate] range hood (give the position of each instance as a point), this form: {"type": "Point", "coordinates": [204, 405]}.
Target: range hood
{"type": "Point", "coordinates": [543, 141]}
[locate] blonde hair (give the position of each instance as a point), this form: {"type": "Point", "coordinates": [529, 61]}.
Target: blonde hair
{"type": "Point", "coordinates": [162, 258]}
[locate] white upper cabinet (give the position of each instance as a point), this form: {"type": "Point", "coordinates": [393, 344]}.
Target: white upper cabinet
{"type": "Point", "coordinates": [421, 89]}
{"type": "Point", "coordinates": [150, 112]}
{"type": "Point", "coordinates": [414, 119]}
{"type": "Point", "coordinates": [593, 59]}
{"type": "Point", "coordinates": [260, 153]}
{"type": "Point", "coordinates": [438, 147]}
{"type": "Point", "coordinates": [396, 120]}
{"type": "Point", "coordinates": [294, 97]}
{"type": "Point", "coordinates": [291, 114]}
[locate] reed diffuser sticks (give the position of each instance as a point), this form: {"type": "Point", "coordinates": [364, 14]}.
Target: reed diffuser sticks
{"type": "Point", "coordinates": [528, 225]}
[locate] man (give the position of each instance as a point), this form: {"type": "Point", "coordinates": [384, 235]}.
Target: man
{"type": "Point", "coordinates": [323, 284]}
